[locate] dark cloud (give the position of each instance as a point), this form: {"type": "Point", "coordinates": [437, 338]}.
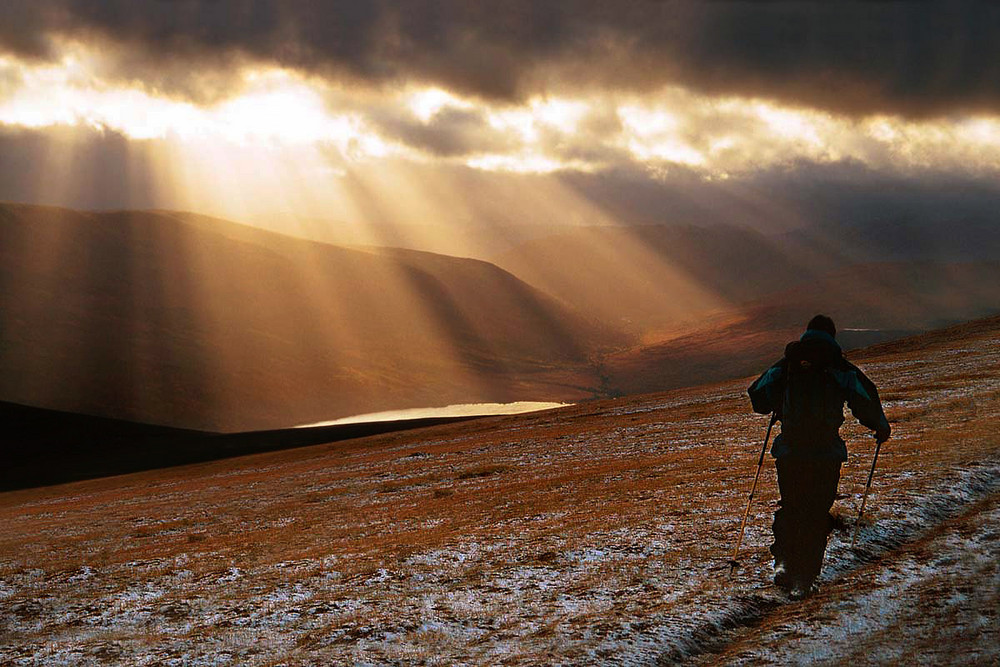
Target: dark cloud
{"type": "Point", "coordinates": [913, 58]}
{"type": "Point", "coordinates": [799, 195]}
{"type": "Point", "coordinates": [210, 78]}
{"type": "Point", "coordinates": [917, 59]}
{"type": "Point", "coordinates": [449, 133]}
{"type": "Point", "coordinates": [26, 26]}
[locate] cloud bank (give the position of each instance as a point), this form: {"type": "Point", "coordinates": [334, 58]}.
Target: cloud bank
{"type": "Point", "coordinates": [916, 60]}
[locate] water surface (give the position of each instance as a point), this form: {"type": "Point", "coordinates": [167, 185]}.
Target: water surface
{"type": "Point", "coordinates": [458, 410]}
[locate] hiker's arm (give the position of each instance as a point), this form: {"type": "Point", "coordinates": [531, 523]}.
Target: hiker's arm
{"type": "Point", "coordinates": [866, 406]}
{"type": "Point", "coordinates": [766, 392]}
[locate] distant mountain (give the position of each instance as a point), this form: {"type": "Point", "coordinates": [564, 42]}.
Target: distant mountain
{"type": "Point", "coordinates": [196, 322]}
{"type": "Point", "coordinates": [960, 237]}
{"type": "Point", "coordinates": [483, 238]}
{"type": "Point", "coordinates": [886, 300]}
{"type": "Point", "coordinates": [648, 277]}
{"type": "Point", "coordinates": [191, 321]}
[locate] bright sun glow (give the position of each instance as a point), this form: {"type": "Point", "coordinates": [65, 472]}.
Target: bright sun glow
{"type": "Point", "coordinates": [564, 115]}
{"type": "Point", "coordinates": [424, 104]}
{"type": "Point", "coordinates": [656, 134]}
{"type": "Point", "coordinates": [275, 107]}
{"type": "Point", "coordinates": [62, 94]}
{"type": "Point", "coordinates": [519, 122]}
{"type": "Point", "coordinates": [279, 108]}
{"type": "Point", "coordinates": [521, 164]}
{"type": "Point", "coordinates": [290, 113]}
{"type": "Point", "coordinates": [789, 124]}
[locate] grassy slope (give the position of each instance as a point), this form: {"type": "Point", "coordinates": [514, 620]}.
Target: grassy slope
{"type": "Point", "coordinates": [587, 534]}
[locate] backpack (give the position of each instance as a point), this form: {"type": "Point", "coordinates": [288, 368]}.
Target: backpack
{"type": "Point", "coordinates": [812, 407]}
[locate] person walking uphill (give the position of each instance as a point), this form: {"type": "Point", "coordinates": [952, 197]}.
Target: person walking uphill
{"type": "Point", "coordinates": [806, 390]}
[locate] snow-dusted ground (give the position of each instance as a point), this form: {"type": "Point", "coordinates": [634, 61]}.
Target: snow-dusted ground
{"type": "Point", "coordinates": [934, 601]}
{"type": "Point", "coordinates": [595, 534]}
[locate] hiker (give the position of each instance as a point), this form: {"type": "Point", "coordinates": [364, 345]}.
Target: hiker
{"type": "Point", "coordinates": [806, 390]}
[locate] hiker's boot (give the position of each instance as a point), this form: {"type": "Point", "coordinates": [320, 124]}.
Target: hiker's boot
{"type": "Point", "coordinates": [781, 577]}
{"type": "Point", "coordinates": [802, 590]}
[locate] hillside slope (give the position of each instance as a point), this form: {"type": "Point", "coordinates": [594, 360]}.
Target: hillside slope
{"type": "Point", "coordinates": [711, 303]}
{"type": "Point", "coordinates": [877, 275]}
{"type": "Point", "coordinates": [593, 534]}
{"type": "Point", "coordinates": [196, 322]}
{"type": "Point", "coordinates": [648, 277]}
{"type": "Point", "coordinates": [887, 299]}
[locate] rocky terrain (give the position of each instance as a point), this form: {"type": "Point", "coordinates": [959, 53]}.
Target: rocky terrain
{"type": "Point", "coordinates": [591, 534]}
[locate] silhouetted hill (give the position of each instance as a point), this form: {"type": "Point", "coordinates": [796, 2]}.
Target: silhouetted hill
{"type": "Point", "coordinates": [41, 447]}
{"type": "Point", "coordinates": [182, 319]}
{"type": "Point", "coordinates": [191, 321]}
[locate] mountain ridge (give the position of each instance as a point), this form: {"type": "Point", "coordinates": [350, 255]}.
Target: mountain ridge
{"type": "Point", "coordinates": [144, 316]}
{"type": "Point", "coordinates": [191, 320]}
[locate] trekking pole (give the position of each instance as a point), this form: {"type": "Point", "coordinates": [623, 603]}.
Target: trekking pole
{"type": "Point", "coordinates": [733, 563]}
{"type": "Point", "coordinates": [864, 499]}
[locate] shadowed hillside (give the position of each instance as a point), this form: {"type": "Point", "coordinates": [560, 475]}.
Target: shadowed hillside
{"type": "Point", "coordinates": [195, 322]}
{"type": "Point", "coordinates": [191, 321]}
{"type": "Point", "coordinates": [44, 447]}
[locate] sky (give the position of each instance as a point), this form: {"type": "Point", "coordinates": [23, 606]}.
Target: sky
{"type": "Point", "coordinates": [313, 117]}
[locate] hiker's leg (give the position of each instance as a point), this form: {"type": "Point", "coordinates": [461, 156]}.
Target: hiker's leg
{"type": "Point", "coordinates": [787, 519]}
{"type": "Point", "coordinates": [822, 478]}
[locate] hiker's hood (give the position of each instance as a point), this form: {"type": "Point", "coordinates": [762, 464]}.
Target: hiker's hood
{"type": "Point", "coordinates": [817, 335]}
{"type": "Point", "coordinates": [815, 347]}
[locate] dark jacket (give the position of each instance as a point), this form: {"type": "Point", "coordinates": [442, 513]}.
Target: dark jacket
{"type": "Point", "coordinates": [807, 390]}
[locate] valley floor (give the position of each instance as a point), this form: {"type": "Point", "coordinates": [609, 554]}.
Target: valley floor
{"type": "Point", "coordinates": [592, 534]}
